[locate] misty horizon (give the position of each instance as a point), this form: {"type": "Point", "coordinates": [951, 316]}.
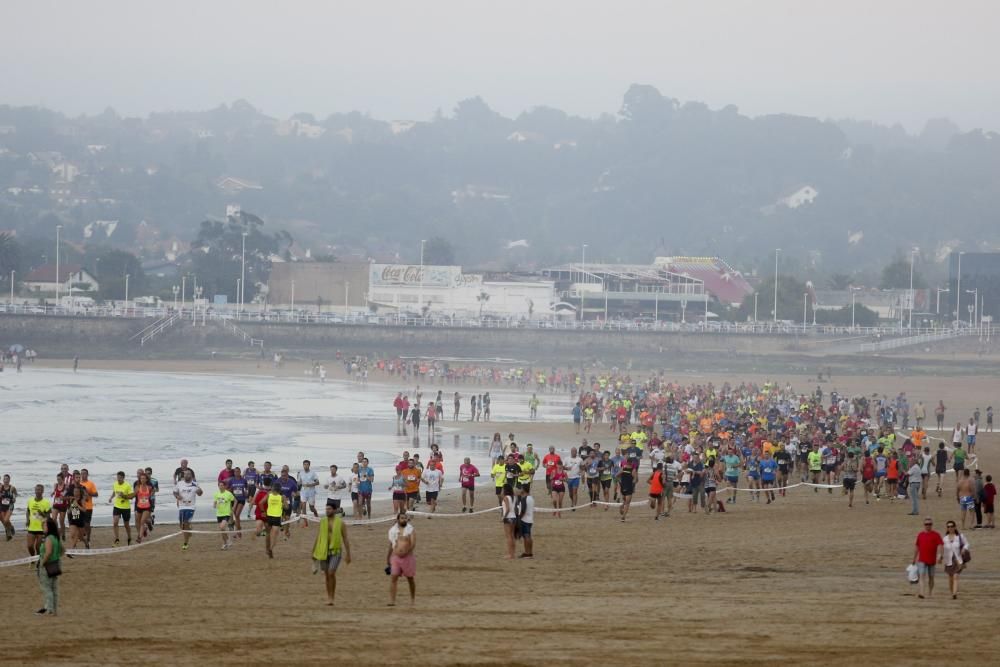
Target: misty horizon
{"type": "Point", "coordinates": [889, 62]}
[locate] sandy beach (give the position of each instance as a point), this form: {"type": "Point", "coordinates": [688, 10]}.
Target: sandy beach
{"type": "Point", "coordinates": [803, 581]}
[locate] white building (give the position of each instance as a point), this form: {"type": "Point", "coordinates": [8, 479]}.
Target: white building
{"type": "Point", "coordinates": [447, 291]}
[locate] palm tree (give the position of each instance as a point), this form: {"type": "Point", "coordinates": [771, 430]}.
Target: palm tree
{"type": "Point", "coordinates": [482, 299]}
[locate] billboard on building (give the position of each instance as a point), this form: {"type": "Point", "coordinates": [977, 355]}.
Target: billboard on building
{"type": "Point", "coordinates": [385, 275]}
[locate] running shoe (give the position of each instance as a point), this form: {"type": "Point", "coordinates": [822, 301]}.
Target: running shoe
{"type": "Point", "coordinates": [184, 547]}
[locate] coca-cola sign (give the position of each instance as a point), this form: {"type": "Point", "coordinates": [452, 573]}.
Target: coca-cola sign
{"type": "Point", "coordinates": [409, 274]}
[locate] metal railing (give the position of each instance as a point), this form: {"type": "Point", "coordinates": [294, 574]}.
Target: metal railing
{"type": "Point", "coordinates": [229, 315]}
{"type": "Point", "coordinates": [159, 328]}
{"type": "Point", "coordinates": [919, 339]}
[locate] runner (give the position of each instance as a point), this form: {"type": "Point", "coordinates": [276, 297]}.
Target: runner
{"type": "Point", "coordinates": [241, 490]}
{"type": "Point", "coordinates": [657, 486]}
{"type": "Point", "coordinates": [290, 490]}
{"type": "Point", "coordinates": [37, 513]}
{"type": "Point", "coordinates": [143, 492]}
{"type": "Point", "coordinates": [784, 460]}
{"type": "Point", "coordinates": [732, 463]}
{"type": "Point", "coordinates": [89, 493]}
{"type": "Point", "coordinates": [411, 482]}
{"type": "Point", "coordinates": [121, 494]}
{"type": "Point", "coordinates": [250, 474]}
{"type": "Point", "coordinates": [307, 480]}
{"type": "Point", "coordinates": [366, 484]}
{"type": "Point", "coordinates": [626, 481]}
{"type": "Point", "coordinates": [851, 467]}
{"type": "Point", "coordinates": [558, 489]}
{"type": "Point", "coordinates": [431, 478]}
{"type": "Point", "coordinates": [75, 512]}
{"type": "Point", "coordinates": [551, 462]}
{"type": "Point", "coordinates": [467, 474]}
{"type": "Point", "coordinates": [186, 493]}
{"type": "Point", "coordinates": [8, 498]}
{"type": "Point", "coordinates": [815, 458]}
{"type": "Point", "coordinates": [572, 469]}
{"type": "Point", "coordinates": [223, 502]}
{"type": "Point", "coordinates": [330, 547]}
{"type": "Point", "coordinates": [274, 505]}
{"type": "Point", "coordinates": [60, 499]}
{"type": "Point", "coordinates": [768, 476]}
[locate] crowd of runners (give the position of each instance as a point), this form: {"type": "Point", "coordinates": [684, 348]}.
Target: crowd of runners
{"type": "Point", "coordinates": [708, 447]}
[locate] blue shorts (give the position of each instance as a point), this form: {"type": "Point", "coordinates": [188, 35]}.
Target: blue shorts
{"type": "Point", "coordinates": [185, 516]}
{"type": "Point", "coordinates": [880, 473]}
{"type": "Point", "coordinates": [971, 440]}
{"type": "Point", "coordinates": [732, 480]}
{"type": "Point", "coordinates": [967, 502]}
{"type": "Point", "coordinates": [574, 483]}
{"type": "Point", "coordinates": [525, 529]}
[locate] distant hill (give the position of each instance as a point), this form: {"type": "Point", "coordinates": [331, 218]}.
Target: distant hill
{"type": "Point", "coordinates": [659, 177]}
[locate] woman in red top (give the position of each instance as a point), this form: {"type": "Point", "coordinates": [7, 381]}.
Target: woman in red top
{"type": "Point", "coordinates": [558, 489]}
{"type": "Point", "coordinates": [143, 504]}
{"type": "Point", "coordinates": [892, 476]}
{"type": "Point", "coordinates": [258, 510]}
{"type": "Point", "coordinates": [60, 503]}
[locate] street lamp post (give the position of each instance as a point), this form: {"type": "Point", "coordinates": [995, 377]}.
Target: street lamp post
{"type": "Point", "coordinates": [293, 298]}
{"type": "Point", "coordinates": [776, 251]}
{"type": "Point", "coordinates": [243, 271]}
{"type": "Point", "coordinates": [11, 288]}
{"type": "Point", "coordinates": [755, 307]}
{"type": "Point", "coordinates": [175, 289]}
{"type": "Point", "coordinates": [939, 290]}
{"type": "Point", "coordinates": [126, 291]}
{"type": "Point", "coordinates": [684, 305]}
{"type": "Point", "coordinates": [583, 275]}
{"type": "Point", "coordinates": [197, 294]}
{"type": "Point", "coordinates": [805, 307]}
{"type": "Point", "coordinates": [420, 294]}
{"type": "Point", "coordinates": [183, 291]}
{"type": "Point", "coordinates": [239, 284]}
{"type": "Point", "coordinates": [974, 307]}
{"type": "Point", "coordinates": [58, 232]}
{"type": "Point", "coordinates": [347, 298]}
{"type": "Point", "coordinates": [913, 252]}
{"type": "Point", "coordinates": [853, 302]}
{"type": "Point", "coordinates": [958, 291]}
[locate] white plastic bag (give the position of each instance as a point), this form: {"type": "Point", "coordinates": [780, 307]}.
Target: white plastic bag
{"type": "Point", "coordinates": [912, 574]}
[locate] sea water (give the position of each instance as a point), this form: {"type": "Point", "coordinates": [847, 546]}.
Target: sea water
{"type": "Point", "coordinates": [108, 421]}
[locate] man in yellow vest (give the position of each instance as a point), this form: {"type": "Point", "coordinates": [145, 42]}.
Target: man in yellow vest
{"type": "Point", "coordinates": [331, 545]}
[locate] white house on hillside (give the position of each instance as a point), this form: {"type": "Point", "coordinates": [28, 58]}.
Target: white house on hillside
{"type": "Point", "coordinates": [43, 279]}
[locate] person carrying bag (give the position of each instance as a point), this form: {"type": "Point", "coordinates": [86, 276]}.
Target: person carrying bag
{"type": "Point", "coordinates": [50, 568]}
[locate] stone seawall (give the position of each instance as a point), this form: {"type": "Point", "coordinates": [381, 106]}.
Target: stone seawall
{"type": "Point", "coordinates": [109, 337]}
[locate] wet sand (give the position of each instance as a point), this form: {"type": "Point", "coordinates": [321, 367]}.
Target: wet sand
{"type": "Point", "coordinates": [803, 581]}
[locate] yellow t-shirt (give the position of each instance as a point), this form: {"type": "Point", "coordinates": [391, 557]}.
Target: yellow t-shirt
{"type": "Point", "coordinates": [275, 504]}
{"type": "Point", "coordinates": [125, 488]}
{"type": "Point", "coordinates": [498, 473]}
{"type": "Point", "coordinates": [38, 511]}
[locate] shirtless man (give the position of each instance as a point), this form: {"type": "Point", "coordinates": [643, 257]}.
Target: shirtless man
{"type": "Point", "coordinates": [400, 560]}
{"type": "Point", "coordinates": [965, 494]}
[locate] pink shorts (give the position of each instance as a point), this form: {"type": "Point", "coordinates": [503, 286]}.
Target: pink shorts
{"type": "Point", "coordinates": [405, 566]}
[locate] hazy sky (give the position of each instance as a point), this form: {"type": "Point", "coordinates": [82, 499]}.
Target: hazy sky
{"type": "Point", "coordinates": [887, 60]}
